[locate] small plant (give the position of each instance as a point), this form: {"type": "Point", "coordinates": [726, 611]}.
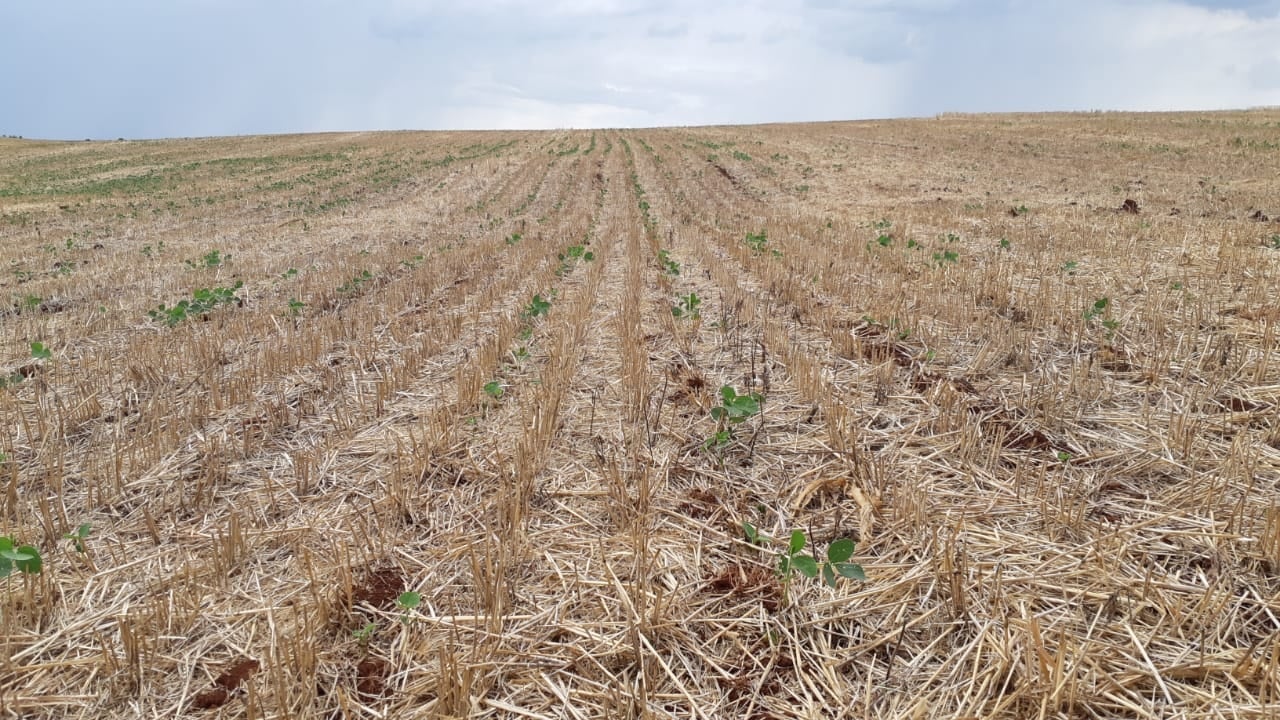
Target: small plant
{"type": "Point", "coordinates": [289, 274]}
{"type": "Point", "coordinates": [23, 558]}
{"type": "Point", "coordinates": [885, 240]}
{"type": "Point", "coordinates": [352, 286]}
{"type": "Point", "coordinates": [733, 410]}
{"type": "Point", "coordinates": [687, 306]}
{"type": "Point", "coordinates": [78, 537]}
{"type": "Point", "coordinates": [210, 260]}
{"type": "Point", "coordinates": [537, 306]}
{"type": "Point", "coordinates": [202, 302]}
{"type": "Point", "coordinates": [296, 307]}
{"type": "Point", "coordinates": [406, 602]}
{"type": "Point", "coordinates": [365, 634]}
{"type": "Point", "coordinates": [792, 560]}
{"type": "Point", "coordinates": [579, 252]}
{"type": "Point", "coordinates": [669, 266]}
{"type": "Point", "coordinates": [413, 263]}
{"type": "Point", "coordinates": [881, 224]}
{"type": "Point", "coordinates": [1069, 267]}
{"type": "Point", "coordinates": [1274, 242]}
{"type": "Point", "coordinates": [1019, 211]}
{"type": "Point", "coordinates": [40, 352]}
{"type": "Point", "coordinates": [757, 241]}
{"type": "Point", "coordinates": [1005, 244]}
{"type": "Point", "coordinates": [1099, 309]}
{"type": "Point", "coordinates": [493, 389]}
{"type": "Point", "coordinates": [512, 239]}
{"type": "Point", "coordinates": [941, 259]}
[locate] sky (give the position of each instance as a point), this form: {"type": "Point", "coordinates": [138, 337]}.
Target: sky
{"type": "Point", "coordinates": [179, 68]}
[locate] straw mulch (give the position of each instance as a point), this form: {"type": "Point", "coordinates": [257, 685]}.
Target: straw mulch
{"type": "Point", "coordinates": [1028, 363]}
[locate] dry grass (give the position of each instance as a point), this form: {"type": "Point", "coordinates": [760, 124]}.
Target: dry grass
{"type": "Point", "coordinates": [1062, 514]}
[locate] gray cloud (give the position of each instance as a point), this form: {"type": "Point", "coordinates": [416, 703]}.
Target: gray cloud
{"type": "Point", "coordinates": [146, 68]}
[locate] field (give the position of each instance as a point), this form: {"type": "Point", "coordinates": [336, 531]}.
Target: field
{"type": "Point", "coordinates": [255, 390]}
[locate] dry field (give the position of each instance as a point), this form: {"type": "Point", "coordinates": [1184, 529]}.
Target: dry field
{"type": "Point", "coordinates": [1027, 362]}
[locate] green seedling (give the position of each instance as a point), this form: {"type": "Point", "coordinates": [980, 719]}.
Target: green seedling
{"type": "Point", "coordinates": [757, 241]}
{"type": "Point", "coordinates": [202, 302]}
{"type": "Point", "coordinates": [941, 259]}
{"type": "Point", "coordinates": [733, 410]}
{"type": "Point", "coordinates": [413, 263]}
{"type": "Point", "coordinates": [493, 389]}
{"type": "Point", "coordinates": [881, 224]}
{"type": "Point", "coordinates": [669, 266]}
{"type": "Point", "coordinates": [885, 240]}
{"type": "Point", "coordinates": [296, 306]}
{"type": "Point", "coordinates": [578, 252]}
{"type": "Point", "coordinates": [289, 274]}
{"type": "Point", "coordinates": [1005, 244]}
{"type": "Point", "coordinates": [23, 558]}
{"type": "Point", "coordinates": [1019, 211]}
{"type": "Point", "coordinates": [687, 306]}
{"type": "Point", "coordinates": [210, 260]}
{"type": "Point", "coordinates": [537, 306]}
{"type": "Point", "coordinates": [1099, 309]}
{"type": "Point", "coordinates": [1069, 267]}
{"type": "Point", "coordinates": [792, 560]}
{"type": "Point", "coordinates": [40, 352]}
{"type": "Point", "coordinates": [407, 602]}
{"type": "Point", "coordinates": [512, 239]}
{"type": "Point", "coordinates": [352, 286]}
{"type": "Point", "coordinates": [1274, 242]}
{"type": "Point", "coordinates": [78, 537]}
{"type": "Point", "coordinates": [365, 634]}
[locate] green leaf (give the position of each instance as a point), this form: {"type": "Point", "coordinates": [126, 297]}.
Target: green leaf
{"type": "Point", "coordinates": [409, 600]}
{"type": "Point", "coordinates": [828, 575]}
{"type": "Point", "coordinates": [727, 392]}
{"type": "Point", "coordinates": [718, 412]}
{"type": "Point", "coordinates": [33, 564]}
{"type": "Point", "coordinates": [40, 352]}
{"type": "Point", "coordinates": [851, 570]}
{"type": "Point", "coordinates": [797, 542]}
{"type": "Point", "coordinates": [806, 565]}
{"type": "Point", "coordinates": [753, 536]}
{"type": "Point", "coordinates": [840, 550]}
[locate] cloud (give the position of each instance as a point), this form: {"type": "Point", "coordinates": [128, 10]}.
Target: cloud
{"type": "Point", "coordinates": [193, 67]}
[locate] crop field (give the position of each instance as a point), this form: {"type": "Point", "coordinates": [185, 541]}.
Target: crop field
{"type": "Point", "coordinates": [958, 417]}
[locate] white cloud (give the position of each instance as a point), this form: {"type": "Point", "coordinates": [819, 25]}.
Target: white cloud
{"type": "Point", "coordinates": [186, 67]}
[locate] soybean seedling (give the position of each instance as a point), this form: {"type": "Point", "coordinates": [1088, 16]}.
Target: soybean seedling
{"type": "Point", "coordinates": [733, 410]}
{"type": "Point", "coordinates": [493, 389]}
{"type": "Point", "coordinates": [537, 306]}
{"type": "Point", "coordinates": [365, 634]}
{"type": "Point", "coordinates": [406, 602]}
{"type": "Point", "coordinates": [23, 558]}
{"type": "Point", "coordinates": [687, 307]}
{"type": "Point", "coordinates": [78, 537]}
{"type": "Point", "coordinates": [792, 560]}
{"type": "Point", "coordinates": [40, 352]}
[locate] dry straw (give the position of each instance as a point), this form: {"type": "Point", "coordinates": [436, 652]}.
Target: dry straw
{"type": "Point", "coordinates": [1027, 362]}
